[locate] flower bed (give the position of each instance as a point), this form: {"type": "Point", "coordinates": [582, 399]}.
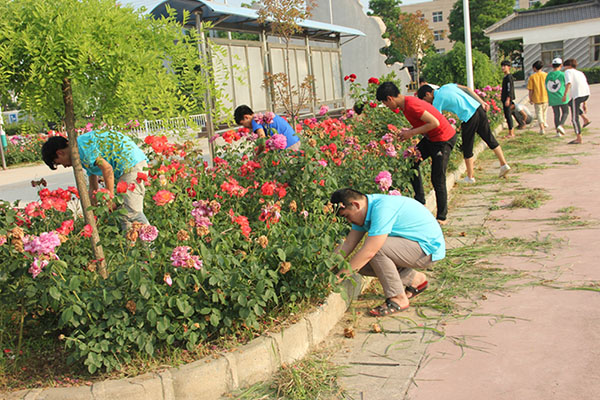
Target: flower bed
{"type": "Point", "coordinates": [227, 244]}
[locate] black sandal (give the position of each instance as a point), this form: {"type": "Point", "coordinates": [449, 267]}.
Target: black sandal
{"type": "Point", "coordinates": [416, 290]}
{"type": "Point", "coordinates": [390, 307]}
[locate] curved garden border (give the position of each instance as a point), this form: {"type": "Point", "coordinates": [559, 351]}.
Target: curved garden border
{"type": "Point", "coordinates": [212, 376]}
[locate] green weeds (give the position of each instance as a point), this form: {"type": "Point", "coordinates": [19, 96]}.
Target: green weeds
{"type": "Point", "coordinates": [530, 198]}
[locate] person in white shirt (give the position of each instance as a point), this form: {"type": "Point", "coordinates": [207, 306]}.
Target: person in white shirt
{"type": "Point", "coordinates": [580, 92]}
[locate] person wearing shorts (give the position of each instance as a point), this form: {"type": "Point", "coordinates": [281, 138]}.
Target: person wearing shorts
{"type": "Point", "coordinates": [580, 92]}
{"type": "Point", "coordinates": [471, 110]}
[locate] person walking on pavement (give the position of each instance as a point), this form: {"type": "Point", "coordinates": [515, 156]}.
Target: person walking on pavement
{"type": "Point", "coordinates": [555, 86]}
{"type": "Point", "coordinates": [538, 95]}
{"type": "Point", "coordinates": [508, 96]}
{"type": "Point", "coordinates": [112, 156]}
{"type": "Point", "coordinates": [471, 110]}
{"type": "Point", "coordinates": [580, 93]}
{"type": "Point", "coordinates": [402, 235]}
{"type": "Point", "coordinates": [438, 140]}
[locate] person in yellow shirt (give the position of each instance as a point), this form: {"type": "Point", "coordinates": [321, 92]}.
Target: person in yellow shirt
{"type": "Point", "coordinates": [538, 96]}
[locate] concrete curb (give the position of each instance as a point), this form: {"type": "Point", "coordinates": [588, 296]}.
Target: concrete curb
{"type": "Point", "coordinates": [209, 378]}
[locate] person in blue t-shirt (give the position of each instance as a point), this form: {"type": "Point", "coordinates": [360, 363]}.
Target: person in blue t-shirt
{"type": "Point", "coordinates": [111, 155]}
{"type": "Point", "coordinates": [244, 116]}
{"type": "Point", "coordinates": [402, 235]}
{"type": "Point", "coordinates": [471, 110]}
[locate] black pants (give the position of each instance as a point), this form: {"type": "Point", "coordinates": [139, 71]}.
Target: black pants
{"type": "Point", "coordinates": [440, 154]}
{"type": "Point", "coordinates": [508, 114]}
{"type": "Point", "coordinates": [576, 111]}
{"type": "Point", "coordinates": [561, 112]}
{"type": "Point", "coordinates": [477, 123]}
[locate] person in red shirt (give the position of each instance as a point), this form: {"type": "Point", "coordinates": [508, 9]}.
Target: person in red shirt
{"type": "Point", "coordinates": [438, 140]}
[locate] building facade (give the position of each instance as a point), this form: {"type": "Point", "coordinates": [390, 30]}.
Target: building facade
{"type": "Point", "coordinates": [437, 14]}
{"type": "Point", "coordinates": [566, 31]}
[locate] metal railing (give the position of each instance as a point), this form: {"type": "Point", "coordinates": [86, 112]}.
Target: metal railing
{"type": "Point", "coordinates": [159, 125]}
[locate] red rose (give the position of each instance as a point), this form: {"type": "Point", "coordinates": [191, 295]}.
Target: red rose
{"type": "Point", "coordinates": [374, 81]}
{"type": "Point", "coordinates": [122, 187]}
{"type": "Point", "coordinates": [268, 188]}
{"type": "Point", "coordinates": [372, 104]}
{"type": "Point", "coordinates": [87, 231]}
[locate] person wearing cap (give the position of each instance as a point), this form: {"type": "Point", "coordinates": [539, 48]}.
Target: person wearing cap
{"type": "Point", "coordinates": [507, 96]}
{"type": "Point", "coordinates": [576, 82]}
{"type": "Point", "coordinates": [555, 86]}
{"type": "Point", "coordinates": [538, 96]}
{"type": "Point", "coordinates": [471, 110]}
{"type": "Point", "coordinates": [439, 138]}
{"type": "Point", "coordinates": [402, 236]}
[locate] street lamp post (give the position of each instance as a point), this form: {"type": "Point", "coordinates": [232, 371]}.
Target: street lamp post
{"type": "Point", "coordinates": [469, 57]}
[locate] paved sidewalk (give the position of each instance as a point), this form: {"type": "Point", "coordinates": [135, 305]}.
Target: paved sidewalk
{"type": "Point", "coordinates": [532, 342]}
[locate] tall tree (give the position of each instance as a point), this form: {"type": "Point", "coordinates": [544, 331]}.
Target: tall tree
{"type": "Point", "coordinates": [389, 12]}
{"type": "Point", "coordinates": [411, 37]}
{"type": "Point", "coordinates": [66, 59]}
{"type": "Point", "coordinates": [559, 2]}
{"type": "Point", "coordinates": [483, 13]}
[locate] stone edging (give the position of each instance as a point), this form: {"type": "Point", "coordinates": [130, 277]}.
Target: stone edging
{"type": "Point", "coordinates": [254, 362]}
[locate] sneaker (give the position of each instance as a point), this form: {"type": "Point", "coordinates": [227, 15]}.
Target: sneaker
{"type": "Point", "coordinates": [468, 180]}
{"type": "Point", "coordinates": [504, 170]}
{"type": "Point", "coordinates": [560, 130]}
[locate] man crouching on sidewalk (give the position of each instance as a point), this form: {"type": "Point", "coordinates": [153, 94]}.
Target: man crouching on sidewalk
{"type": "Point", "coordinates": [402, 235]}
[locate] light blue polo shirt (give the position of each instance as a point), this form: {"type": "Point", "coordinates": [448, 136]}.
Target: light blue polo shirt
{"type": "Point", "coordinates": [404, 217]}
{"type": "Point", "coordinates": [118, 149]}
{"type": "Point", "coordinates": [282, 127]}
{"type": "Point", "coordinates": [452, 98]}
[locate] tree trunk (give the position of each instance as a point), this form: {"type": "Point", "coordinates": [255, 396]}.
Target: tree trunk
{"type": "Point", "coordinates": [80, 177]}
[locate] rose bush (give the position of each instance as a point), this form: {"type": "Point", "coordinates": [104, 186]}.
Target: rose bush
{"type": "Point", "coordinates": [227, 243]}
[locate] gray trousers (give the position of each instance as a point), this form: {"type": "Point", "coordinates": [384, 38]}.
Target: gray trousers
{"type": "Point", "coordinates": [394, 262]}
{"type": "Point", "coordinates": [133, 201]}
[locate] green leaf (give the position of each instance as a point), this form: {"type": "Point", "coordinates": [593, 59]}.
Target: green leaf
{"type": "Point", "coordinates": [214, 319]}
{"type": "Point", "coordinates": [144, 291]}
{"type": "Point", "coordinates": [54, 293]}
{"type": "Point", "coordinates": [181, 305]}
{"type": "Point", "coordinates": [74, 283]}
{"type": "Point", "coordinates": [134, 275]}
{"type": "Point", "coordinates": [149, 348]}
{"type": "Point", "coordinates": [66, 316]}
{"type": "Point", "coordinates": [281, 254]}
{"type": "Point", "coordinates": [151, 317]}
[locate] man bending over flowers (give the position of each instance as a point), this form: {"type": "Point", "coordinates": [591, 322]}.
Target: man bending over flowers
{"type": "Point", "coordinates": [402, 235]}
{"type": "Point", "coordinates": [438, 140]}
{"type": "Point", "coordinates": [113, 156]}
{"type": "Point", "coordinates": [270, 123]}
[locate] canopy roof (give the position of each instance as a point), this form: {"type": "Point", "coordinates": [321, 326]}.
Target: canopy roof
{"type": "Point", "coordinates": [234, 18]}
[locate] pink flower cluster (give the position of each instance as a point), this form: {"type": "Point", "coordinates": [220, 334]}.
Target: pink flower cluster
{"type": "Point", "coordinates": [148, 233]}
{"type": "Point", "coordinates": [181, 257]}
{"type": "Point", "coordinates": [37, 266]}
{"type": "Point", "coordinates": [276, 142]}
{"type": "Point", "coordinates": [44, 244]}
{"type": "Point", "coordinates": [203, 211]}
{"type": "Point", "coordinates": [323, 110]}
{"type": "Point", "coordinates": [384, 180]}
{"type": "Point", "coordinates": [390, 150]}
{"type": "Point", "coordinates": [266, 118]}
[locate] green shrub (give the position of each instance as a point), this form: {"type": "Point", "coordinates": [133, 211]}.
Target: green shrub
{"type": "Point", "coordinates": [451, 68]}
{"type": "Point", "coordinates": [592, 74]}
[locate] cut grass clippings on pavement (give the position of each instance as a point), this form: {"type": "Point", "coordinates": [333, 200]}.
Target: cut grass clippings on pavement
{"type": "Point", "coordinates": [530, 198]}
{"type": "Point", "coordinates": [312, 378]}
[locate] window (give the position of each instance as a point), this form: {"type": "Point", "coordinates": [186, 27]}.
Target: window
{"type": "Point", "coordinates": [437, 16]}
{"type": "Point", "coordinates": [596, 48]}
{"type": "Point", "coordinates": [440, 51]}
{"type": "Point", "coordinates": [533, 2]}
{"type": "Point", "coordinates": [550, 51]}
{"type": "Point", "coordinates": [438, 35]}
